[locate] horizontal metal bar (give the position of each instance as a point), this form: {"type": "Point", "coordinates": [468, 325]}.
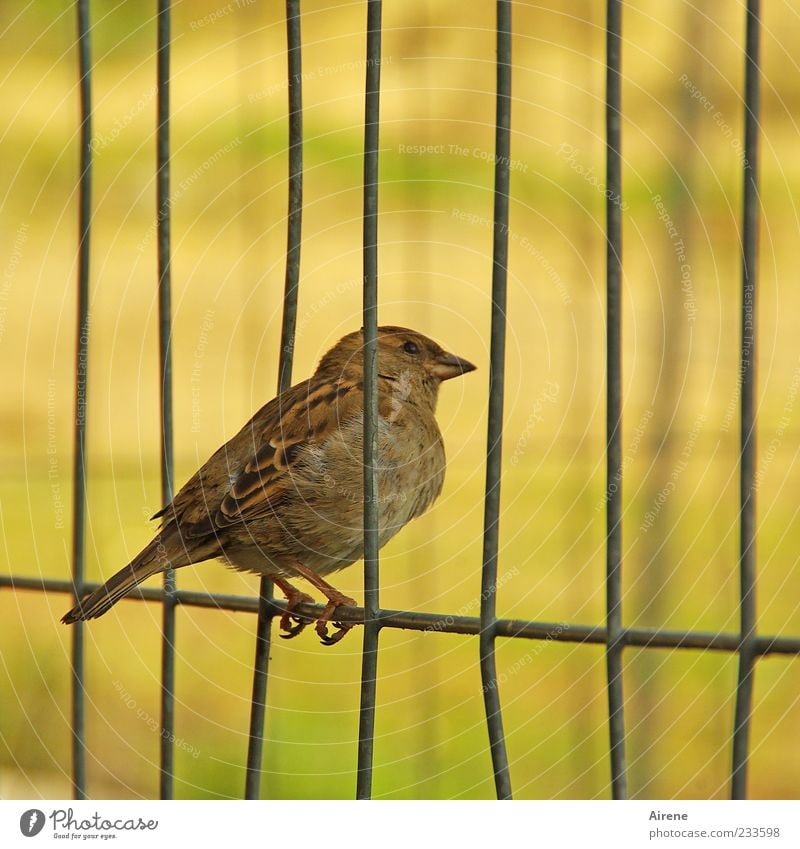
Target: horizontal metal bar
{"type": "Point", "coordinates": [563, 632]}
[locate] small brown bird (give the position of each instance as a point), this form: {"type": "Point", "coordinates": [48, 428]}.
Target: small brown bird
{"type": "Point", "coordinates": [284, 497]}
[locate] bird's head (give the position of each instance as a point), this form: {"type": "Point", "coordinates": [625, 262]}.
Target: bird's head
{"type": "Point", "coordinates": [413, 363]}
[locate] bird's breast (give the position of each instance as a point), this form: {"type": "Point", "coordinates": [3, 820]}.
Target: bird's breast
{"type": "Point", "coordinates": [329, 484]}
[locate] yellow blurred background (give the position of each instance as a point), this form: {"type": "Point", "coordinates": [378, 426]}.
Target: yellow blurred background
{"type": "Point", "coordinates": [682, 138]}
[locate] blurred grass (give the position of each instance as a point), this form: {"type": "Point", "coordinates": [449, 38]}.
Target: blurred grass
{"type": "Point", "coordinates": [229, 187]}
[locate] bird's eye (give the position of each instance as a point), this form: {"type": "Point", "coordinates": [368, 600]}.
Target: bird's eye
{"type": "Point", "coordinates": [411, 348]}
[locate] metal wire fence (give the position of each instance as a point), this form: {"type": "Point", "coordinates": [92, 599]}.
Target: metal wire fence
{"type": "Point", "coordinates": [748, 644]}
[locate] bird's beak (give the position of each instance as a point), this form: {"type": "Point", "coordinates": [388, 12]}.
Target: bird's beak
{"type": "Point", "coordinates": [447, 365]}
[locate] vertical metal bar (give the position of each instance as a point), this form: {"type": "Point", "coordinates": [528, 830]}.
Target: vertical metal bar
{"type": "Point", "coordinates": [616, 720]}
{"type": "Point", "coordinates": [747, 527]}
{"type": "Point", "coordinates": [295, 71]}
{"type": "Point", "coordinates": [81, 370]}
{"type": "Point", "coordinates": [494, 442]}
{"type": "Point", "coordinates": [369, 663]}
{"type": "Point", "coordinates": [258, 703]}
{"type": "Point", "coordinates": [165, 376]}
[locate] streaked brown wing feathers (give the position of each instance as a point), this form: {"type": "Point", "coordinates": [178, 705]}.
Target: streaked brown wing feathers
{"type": "Point", "coordinates": [247, 477]}
{"type": "Point", "coordinates": [289, 424]}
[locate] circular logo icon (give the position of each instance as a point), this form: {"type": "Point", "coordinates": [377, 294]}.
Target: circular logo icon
{"type": "Point", "coordinates": [31, 822]}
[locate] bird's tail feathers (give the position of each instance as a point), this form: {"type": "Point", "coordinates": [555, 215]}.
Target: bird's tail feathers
{"type": "Point", "coordinates": [149, 561]}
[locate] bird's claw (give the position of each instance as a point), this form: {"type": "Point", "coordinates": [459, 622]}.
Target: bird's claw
{"type": "Point", "coordinates": [331, 639]}
{"type": "Point", "coordinates": [292, 623]}
{"type": "Point", "coordinates": [341, 627]}
{"type": "Point", "coordinates": [295, 629]}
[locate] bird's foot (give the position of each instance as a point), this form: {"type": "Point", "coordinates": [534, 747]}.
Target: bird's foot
{"type": "Point", "coordinates": [290, 622]}
{"type": "Point", "coordinates": [334, 601]}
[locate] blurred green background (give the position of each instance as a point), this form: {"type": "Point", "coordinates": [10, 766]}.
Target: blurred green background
{"type": "Point", "coordinates": [682, 130]}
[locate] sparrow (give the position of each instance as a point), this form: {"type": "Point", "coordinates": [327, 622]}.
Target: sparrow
{"type": "Point", "coordinates": [284, 497]}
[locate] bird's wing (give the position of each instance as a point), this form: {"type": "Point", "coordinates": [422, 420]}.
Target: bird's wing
{"type": "Point", "coordinates": [247, 477]}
